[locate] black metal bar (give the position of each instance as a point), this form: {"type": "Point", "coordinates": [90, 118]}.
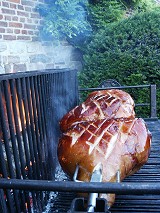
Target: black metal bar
{"type": "Point", "coordinates": [26, 101]}
{"type": "Point", "coordinates": [24, 93]}
{"type": "Point", "coordinates": [12, 130]}
{"type": "Point", "coordinates": [120, 87]}
{"type": "Point", "coordinates": [17, 127]}
{"type": "Point", "coordinates": [30, 108]}
{"type": "Point", "coordinates": [45, 86]}
{"type": "Point", "coordinates": [40, 139]}
{"type": "Point", "coordinates": [8, 147]}
{"type": "Point", "coordinates": [4, 126]}
{"type": "Point", "coordinates": [3, 205]}
{"type": "Point", "coordinates": [34, 128]}
{"type": "Point", "coordinates": [43, 123]}
{"type": "Point", "coordinates": [31, 73]}
{"type": "Point", "coordinates": [18, 135]}
{"type": "Point", "coordinates": [13, 141]}
{"type": "Point", "coordinates": [70, 186]}
{"type": "Point", "coordinates": [145, 104]}
{"type": "Point", "coordinates": [153, 101]}
{"type": "Point", "coordinates": [38, 127]}
{"type": "Point", "coordinates": [37, 141]}
{"type": "Point", "coordinates": [25, 139]}
{"type": "Point", "coordinates": [22, 118]}
{"type": "Point", "coordinates": [5, 175]}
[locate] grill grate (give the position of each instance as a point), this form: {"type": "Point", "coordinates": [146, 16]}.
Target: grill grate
{"type": "Point", "coordinates": [31, 105]}
{"type": "Point", "coordinates": [128, 203]}
{"type": "Point", "coordinates": [28, 135]}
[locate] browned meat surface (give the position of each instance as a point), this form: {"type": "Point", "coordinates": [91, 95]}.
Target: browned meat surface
{"type": "Point", "coordinates": [119, 144]}
{"type": "Point", "coordinates": [100, 105]}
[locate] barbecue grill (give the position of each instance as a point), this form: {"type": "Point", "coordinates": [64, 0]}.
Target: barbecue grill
{"type": "Point", "coordinates": [31, 179]}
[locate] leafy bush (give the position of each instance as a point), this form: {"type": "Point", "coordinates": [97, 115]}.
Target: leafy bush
{"type": "Point", "coordinates": [128, 51]}
{"type": "Point", "coordinates": [141, 5]}
{"type": "Point", "coordinates": [105, 12]}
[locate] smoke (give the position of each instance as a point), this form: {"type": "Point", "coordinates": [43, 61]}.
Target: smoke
{"type": "Point", "coordinates": [65, 19]}
{"type": "Point", "coordinates": [63, 96]}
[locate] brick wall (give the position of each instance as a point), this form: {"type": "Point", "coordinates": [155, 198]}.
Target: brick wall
{"type": "Point", "coordinates": [21, 48]}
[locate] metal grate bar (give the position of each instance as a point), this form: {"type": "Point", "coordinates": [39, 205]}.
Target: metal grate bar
{"type": "Point", "coordinates": [30, 110]}
{"type": "Point", "coordinates": [39, 128]}
{"type": "Point", "coordinates": [43, 126]}
{"type": "Point", "coordinates": [24, 133]}
{"type": "Point", "coordinates": [33, 125]}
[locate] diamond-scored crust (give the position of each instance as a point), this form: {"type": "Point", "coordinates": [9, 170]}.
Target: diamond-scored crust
{"type": "Point", "coordinates": [100, 105]}
{"type": "Point", "coordinates": [104, 130]}
{"type": "Point", "coordinates": [106, 141]}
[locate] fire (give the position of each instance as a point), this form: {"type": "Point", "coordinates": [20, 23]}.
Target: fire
{"type": "Point", "coordinates": [16, 110]}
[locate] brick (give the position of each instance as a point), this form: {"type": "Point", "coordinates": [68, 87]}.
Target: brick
{"type": "Point", "coordinates": [30, 32]}
{"type": "Point", "coordinates": [20, 13]}
{"type": "Point", "coordinates": [15, 24]}
{"type": "Point", "coordinates": [29, 20]}
{"type": "Point", "coordinates": [8, 68]}
{"type": "Point", "coordinates": [35, 38]}
{"type": "Point", "coordinates": [13, 59]}
{"type": "Point", "coordinates": [2, 30]}
{"type": "Point", "coordinates": [22, 20]}
{"type": "Point", "coordinates": [23, 38]}
{"type": "Point", "coordinates": [7, 18]}
{"type": "Point", "coordinates": [17, 31]}
{"type": "Point", "coordinates": [39, 58]}
{"type": "Point", "coordinates": [8, 11]}
{"type": "Point", "coordinates": [35, 15]}
{"type": "Point", "coordinates": [1, 17]}
{"type": "Point", "coordinates": [28, 9]}
{"type": "Point", "coordinates": [9, 31]}
{"type": "Point", "coordinates": [28, 3]}
{"type": "Point", "coordinates": [3, 24]}
{"type": "Point", "coordinates": [9, 37]}
{"type": "Point", "coordinates": [36, 22]}
{"type": "Point", "coordinates": [13, 6]}
{"type": "Point", "coordinates": [29, 26]}
{"type": "Point", "coordinates": [24, 32]}
{"type": "Point", "coordinates": [19, 67]}
{"type": "Point", "coordinates": [5, 4]}
{"type": "Point", "coordinates": [20, 7]}
{"type": "Point", "coordinates": [15, 18]}
{"type": "Point", "coordinates": [15, 1]}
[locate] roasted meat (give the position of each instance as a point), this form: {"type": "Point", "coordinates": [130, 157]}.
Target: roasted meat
{"type": "Point", "coordinates": [100, 105]}
{"type": "Point", "coordinates": [119, 143]}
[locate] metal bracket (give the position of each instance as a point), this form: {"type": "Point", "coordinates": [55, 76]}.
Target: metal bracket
{"type": "Point", "coordinates": [93, 197]}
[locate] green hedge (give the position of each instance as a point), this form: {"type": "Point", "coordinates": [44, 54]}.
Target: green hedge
{"type": "Point", "coordinates": [128, 51]}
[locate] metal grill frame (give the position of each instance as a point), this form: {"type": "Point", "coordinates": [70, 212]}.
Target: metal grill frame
{"type": "Point", "coordinates": [30, 105]}
{"type": "Point", "coordinates": [42, 180]}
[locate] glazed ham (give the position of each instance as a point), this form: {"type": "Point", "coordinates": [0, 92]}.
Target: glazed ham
{"type": "Point", "coordinates": [100, 105]}
{"type": "Point", "coordinates": [119, 143]}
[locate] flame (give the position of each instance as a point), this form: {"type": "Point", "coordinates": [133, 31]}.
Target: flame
{"type": "Point", "coordinates": [22, 116]}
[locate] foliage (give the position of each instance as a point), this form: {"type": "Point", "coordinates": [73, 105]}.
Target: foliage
{"type": "Point", "coordinates": [140, 5]}
{"type": "Point", "coordinates": [104, 12]}
{"type": "Point", "coordinates": [65, 19]}
{"type": "Point", "coordinates": [128, 51]}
